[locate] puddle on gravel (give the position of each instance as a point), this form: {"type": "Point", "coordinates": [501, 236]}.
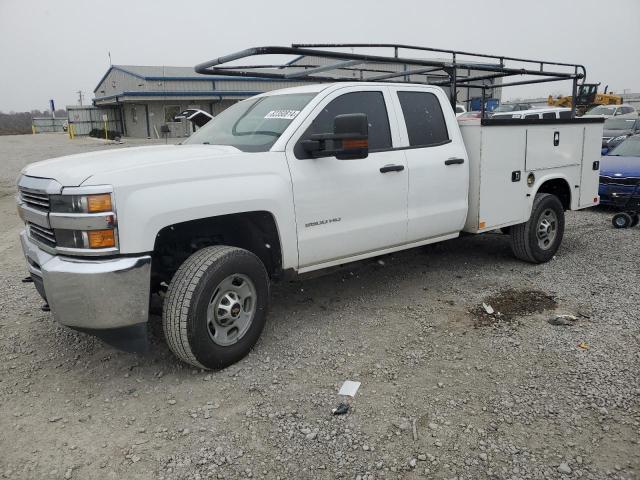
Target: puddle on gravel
{"type": "Point", "coordinates": [510, 304]}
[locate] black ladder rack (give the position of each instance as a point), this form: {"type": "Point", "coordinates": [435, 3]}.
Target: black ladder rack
{"type": "Point", "coordinates": [321, 63]}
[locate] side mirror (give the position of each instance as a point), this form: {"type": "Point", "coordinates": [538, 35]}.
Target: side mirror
{"type": "Point", "coordinates": [604, 151]}
{"type": "Point", "coordinates": [349, 140]}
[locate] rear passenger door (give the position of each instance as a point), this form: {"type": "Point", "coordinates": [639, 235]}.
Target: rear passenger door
{"type": "Point", "coordinates": [437, 163]}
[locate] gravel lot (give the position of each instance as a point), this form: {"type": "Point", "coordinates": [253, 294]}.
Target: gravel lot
{"type": "Point", "coordinates": [508, 397]}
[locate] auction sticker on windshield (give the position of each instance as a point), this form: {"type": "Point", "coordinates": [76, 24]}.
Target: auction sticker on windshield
{"type": "Point", "coordinates": [282, 114]}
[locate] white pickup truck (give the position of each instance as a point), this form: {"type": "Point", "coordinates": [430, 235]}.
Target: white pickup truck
{"type": "Point", "coordinates": [285, 183]}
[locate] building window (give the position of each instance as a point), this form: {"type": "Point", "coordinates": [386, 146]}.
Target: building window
{"type": "Point", "coordinates": [170, 111]}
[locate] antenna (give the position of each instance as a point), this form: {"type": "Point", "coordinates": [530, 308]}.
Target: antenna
{"type": "Point", "coordinates": [79, 92]}
{"type": "Point", "coordinates": [109, 53]}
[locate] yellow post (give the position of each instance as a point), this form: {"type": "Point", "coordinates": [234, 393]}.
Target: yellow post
{"type": "Point", "coordinates": [33, 129]}
{"type": "Point", "coordinates": [106, 137]}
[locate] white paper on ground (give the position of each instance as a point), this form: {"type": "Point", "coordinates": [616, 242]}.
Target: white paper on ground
{"type": "Point", "coordinates": [488, 308]}
{"type": "Point", "coordinates": [349, 388]}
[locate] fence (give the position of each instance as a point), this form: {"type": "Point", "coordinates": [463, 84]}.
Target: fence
{"type": "Point", "coordinates": [87, 118]}
{"type": "Point", "coordinates": [48, 124]}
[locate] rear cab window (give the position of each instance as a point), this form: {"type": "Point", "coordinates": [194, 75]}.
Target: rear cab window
{"type": "Point", "coordinates": [423, 116]}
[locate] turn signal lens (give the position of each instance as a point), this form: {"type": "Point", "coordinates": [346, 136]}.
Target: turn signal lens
{"type": "Point", "coordinates": [352, 144]}
{"type": "Point", "coordinates": [101, 238]}
{"type": "Point", "coordinates": [99, 203]}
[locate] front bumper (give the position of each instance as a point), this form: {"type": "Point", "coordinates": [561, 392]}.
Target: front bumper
{"type": "Point", "coordinates": [99, 296]}
{"type": "Point", "coordinates": [614, 195]}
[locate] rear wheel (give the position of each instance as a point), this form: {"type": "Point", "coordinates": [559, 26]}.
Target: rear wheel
{"type": "Point", "coordinates": [622, 220]}
{"type": "Point", "coordinates": [538, 239]}
{"type": "Point", "coordinates": [216, 306]}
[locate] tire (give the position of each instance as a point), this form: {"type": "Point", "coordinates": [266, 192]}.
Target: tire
{"type": "Point", "coordinates": [635, 219]}
{"type": "Point", "coordinates": [216, 307]}
{"type": "Point", "coordinates": [622, 220]}
{"type": "Point", "coordinates": [538, 239]}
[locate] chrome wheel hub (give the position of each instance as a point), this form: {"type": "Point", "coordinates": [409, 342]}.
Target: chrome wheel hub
{"type": "Point", "coordinates": [231, 309]}
{"type": "Point", "coordinates": [547, 229]}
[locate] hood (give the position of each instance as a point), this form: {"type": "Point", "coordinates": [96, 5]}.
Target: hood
{"type": "Point", "coordinates": [622, 167]}
{"type": "Point", "coordinates": [74, 170]}
{"type": "Point", "coordinates": [616, 133]}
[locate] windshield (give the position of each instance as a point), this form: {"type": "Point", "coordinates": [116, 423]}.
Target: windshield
{"type": "Point", "coordinates": [619, 124]}
{"type": "Point", "coordinates": [602, 111]}
{"type": "Point", "coordinates": [629, 148]}
{"type": "Point", "coordinates": [505, 108]}
{"type": "Point", "coordinates": [252, 125]}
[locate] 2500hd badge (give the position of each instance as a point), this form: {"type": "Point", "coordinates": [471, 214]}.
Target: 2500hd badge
{"type": "Point", "coordinates": [322, 222]}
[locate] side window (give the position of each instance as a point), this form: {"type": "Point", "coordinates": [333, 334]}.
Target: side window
{"type": "Point", "coordinates": [424, 119]}
{"type": "Point", "coordinates": [370, 103]}
{"type": "Point", "coordinates": [549, 115]}
{"type": "Point", "coordinates": [170, 111]}
{"type": "Point", "coordinates": [532, 115]}
{"type": "Point", "coordinates": [566, 114]}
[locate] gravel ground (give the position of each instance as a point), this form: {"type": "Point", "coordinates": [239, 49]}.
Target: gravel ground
{"type": "Point", "coordinates": [447, 392]}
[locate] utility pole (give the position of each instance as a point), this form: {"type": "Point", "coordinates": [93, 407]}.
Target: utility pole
{"type": "Point", "coordinates": [80, 97]}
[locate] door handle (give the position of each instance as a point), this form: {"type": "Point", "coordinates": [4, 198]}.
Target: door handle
{"type": "Point", "coordinates": [454, 161]}
{"type": "Point", "coordinates": [391, 168]}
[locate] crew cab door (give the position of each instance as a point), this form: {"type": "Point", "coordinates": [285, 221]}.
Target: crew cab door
{"type": "Point", "coordinates": [346, 208]}
{"type": "Point", "coordinates": [437, 162]}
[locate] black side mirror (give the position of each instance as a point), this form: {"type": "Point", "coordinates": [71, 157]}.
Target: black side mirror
{"type": "Point", "coordinates": [349, 140]}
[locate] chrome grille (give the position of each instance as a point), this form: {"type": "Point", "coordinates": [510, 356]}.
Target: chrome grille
{"type": "Point", "coordinates": [619, 180]}
{"type": "Point", "coordinates": [43, 235]}
{"type": "Point", "coordinates": [34, 199]}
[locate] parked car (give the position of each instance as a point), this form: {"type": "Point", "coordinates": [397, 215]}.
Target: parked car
{"type": "Point", "coordinates": [285, 183]}
{"type": "Point", "coordinates": [550, 112]}
{"type": "Point", "coordinates": [609, 111]}
{"type": "Point", "coordinates": [620, 172]}
{"type": "Point", "coordinates": [512, 107]}
{"type": "Point", "coordinates": [198, 118]}
{"type": "Point", "coordinates": [617, 130]}
{"type": "Point", "coordinates": [460, 110]}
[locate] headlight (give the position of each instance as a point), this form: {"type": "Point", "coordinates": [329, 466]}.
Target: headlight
{"type": "Point", "coordinates": [84, 221]}
{"type": "Point", "coordinates": [95, 203]}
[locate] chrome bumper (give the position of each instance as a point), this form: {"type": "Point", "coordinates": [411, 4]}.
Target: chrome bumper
{"type": "Point", "coordinates": [91, 294]}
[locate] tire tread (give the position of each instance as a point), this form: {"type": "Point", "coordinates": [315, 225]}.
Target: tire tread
{"type": "Point", "coordinates": [175, 314]}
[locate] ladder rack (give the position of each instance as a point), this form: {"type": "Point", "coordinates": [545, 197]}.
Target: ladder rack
{"type": "Point", "coordinates": [397, 63]}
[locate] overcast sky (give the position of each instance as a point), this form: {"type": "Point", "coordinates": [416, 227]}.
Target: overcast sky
{"type": "Point", "coordinates": [52, 49]}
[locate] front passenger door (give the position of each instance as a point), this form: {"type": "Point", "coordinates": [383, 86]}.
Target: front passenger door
{"type": "Point", "coordinates": [346, 208]}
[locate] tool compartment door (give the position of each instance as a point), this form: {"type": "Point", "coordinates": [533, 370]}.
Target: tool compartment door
{"type": "Point", "coordinates": [590, 173]}
{"type": "Point", "coordinates": [502, 178]}
{"type": "Point", "coordinates": [553, 147]}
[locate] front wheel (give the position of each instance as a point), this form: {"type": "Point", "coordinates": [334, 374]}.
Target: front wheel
{"type": "Point", "coordinates": [216, 306]}
{"type": "Point", "coordinates": [538, 239]}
